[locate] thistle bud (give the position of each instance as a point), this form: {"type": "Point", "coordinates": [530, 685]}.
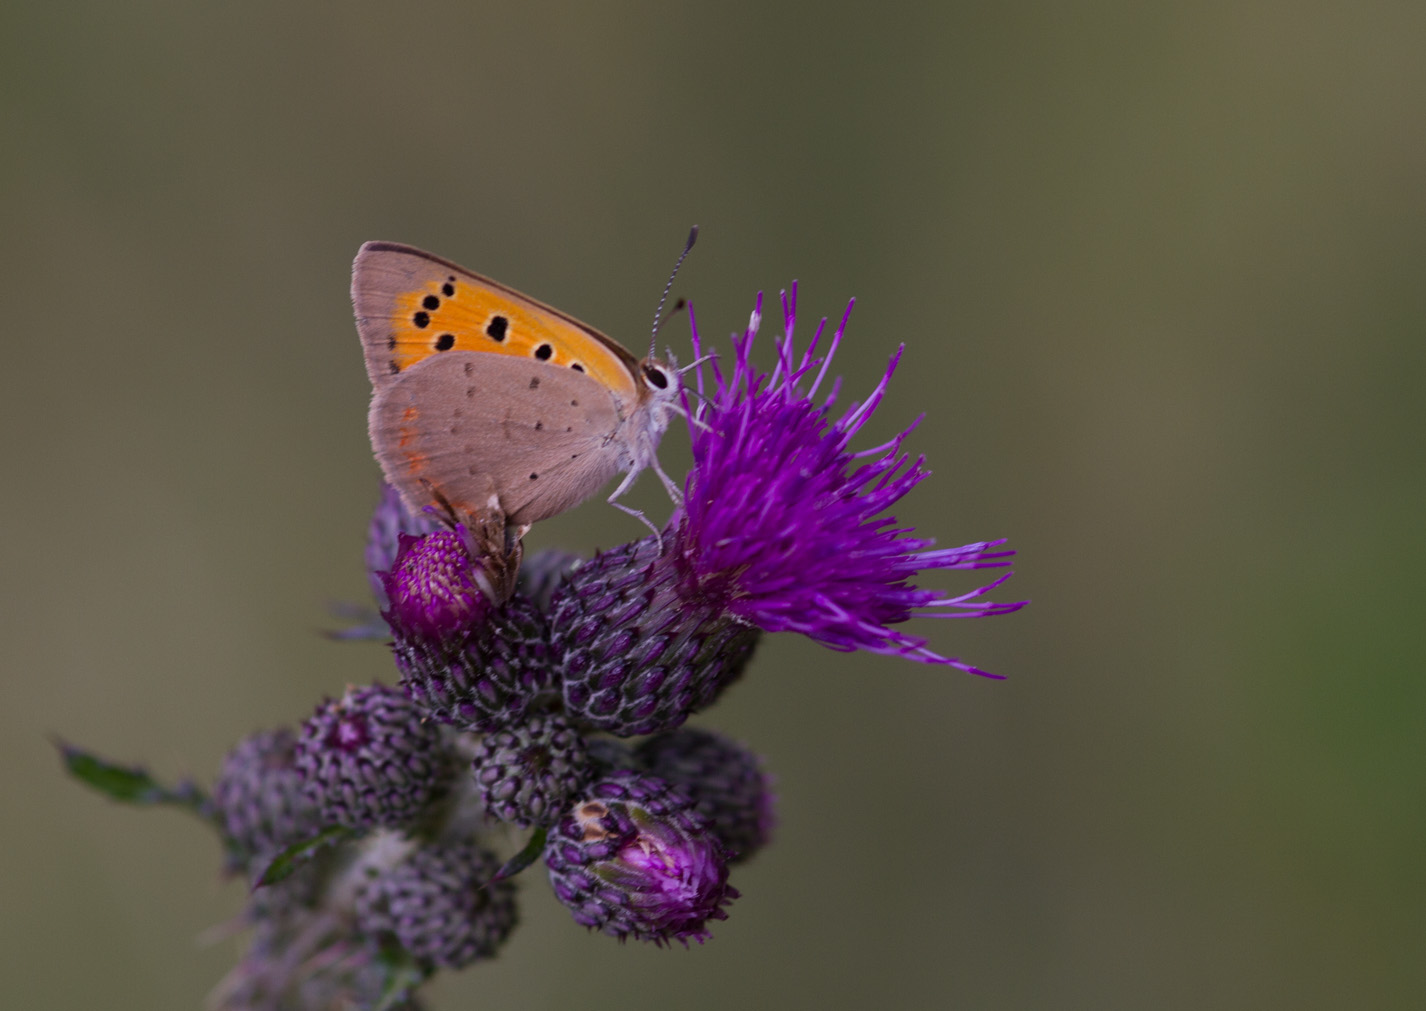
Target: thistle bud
{"type": "Point", "coordinates": [529, 773]}
{"type": "Point", "coordinates": [639, 647]}
{"type": "Point", "coordinates": [389, 520]}
{"type": "Point", "coordinates": [260, 798]}
{"type": "Point", "coordinates": [725, 780]}
{"type": "Point", "coordinates": [436, 591]}
{"type": "Point", "coordinates": [369, 759]}
{"type": "Point", "coordinates": [634, 859]}
{"type": "Point", "coordinates": [440, 905]}
{"type": "Point", "coordinates": [489, 679]}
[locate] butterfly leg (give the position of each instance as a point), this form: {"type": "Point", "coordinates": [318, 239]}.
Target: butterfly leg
{"type": "Point", "coordinates": [638, 514]}
{"type": "Point", "coordinates": [674, 492]}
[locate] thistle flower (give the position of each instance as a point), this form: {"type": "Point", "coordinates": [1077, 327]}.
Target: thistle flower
{"type": "Point", "coordinates": [635, 859]}
{"type": "Point", "coordinates": [784, 526]}
{"type": "Point", "coordinates": [260, 797]}
{"type": "Point", "coordinates": [529, 773]}
{"type": "Point", "coordinates": [725, 780]}
{"type": "Point", "coordinates": [469, 653]}
{"type": "Point", "coordinates": [440, 905]}
{"type": "Point", "coordinates": [636, 653]}
{"type": "Point", "coordinates": [389, 520]}
{"type": "Point", "coordinates": [490, 679]}
{"type": "Point", "coordinates": [368, 759]}
{"type": "Point", "coordinates": [436, 591]}
{"type": "Point", "coordinates": [543, 571]}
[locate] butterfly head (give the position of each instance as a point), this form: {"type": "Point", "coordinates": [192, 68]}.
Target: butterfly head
{"type": "Point", "coordinates": [661, 387]}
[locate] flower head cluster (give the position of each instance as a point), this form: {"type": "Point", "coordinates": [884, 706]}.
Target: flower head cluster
{"type": "Point", "coordinates": [551, 699]}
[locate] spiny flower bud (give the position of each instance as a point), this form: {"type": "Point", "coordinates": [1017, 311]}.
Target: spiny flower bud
{"type": "Point", "coordinates": [259, 795]}
{"type": "Point", "coordinates": [544, 570]}
{"type": "Point", "coordinates": [439, 905]}
{"type": "Point", "coordinates": [634, 859]}
{"type": "Point", "coordinates": [528, 773]}
{"type": "Point", "coordinates": [369, 759]}
{"type": "Point", "coordinates": [437, 592]}
{"type": "Point", "coordinates": [638, 647]}
{"type": "Point", "coordinates": [389, 520]}
{"type": "Point", "coordinates": [488, 680]}
{"type": "Point", "coordinates": [725, 780]}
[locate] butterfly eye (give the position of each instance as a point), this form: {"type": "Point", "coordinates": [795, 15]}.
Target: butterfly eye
{"type": "Point", "coordinates": [656, 377]}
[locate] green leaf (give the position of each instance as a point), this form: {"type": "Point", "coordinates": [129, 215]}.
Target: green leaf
{"type": "Point", "coordinates": [130, 784]}
{"type": "Point", "coordinates": [524, 858]}
{"type": "Point", "coordinates": [289, 860]}
{"type": "Point", "coordinates": [402, 976]}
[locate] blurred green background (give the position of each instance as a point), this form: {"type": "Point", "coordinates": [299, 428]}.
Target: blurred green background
{"type": "Point", "coordinates": [1161, 273]}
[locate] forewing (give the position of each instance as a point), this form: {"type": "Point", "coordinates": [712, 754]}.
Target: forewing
{"type": "Point", "coordinates": [468, 426]}
{"type": "Point", "coordinates": [411, 306]}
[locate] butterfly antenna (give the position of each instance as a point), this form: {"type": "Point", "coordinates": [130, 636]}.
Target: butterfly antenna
{"type": "Point", "coordinates": [679, 304]}
{"type": "Point", "coordinates": [658, 313]}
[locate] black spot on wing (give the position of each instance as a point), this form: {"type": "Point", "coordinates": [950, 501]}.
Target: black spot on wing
{"type": "Point", "coordinates": [422, 320]}
{"type": "Point", "coordinates": [543, 352]}
{"type": "Point", "coordinates": [431, 302]}
{"type": "Point", "coordinates": [445, 342]}
{"type": "Point", "coordinates": [448, 289]}
{"type": "Point", "coordinates": [497, 328]}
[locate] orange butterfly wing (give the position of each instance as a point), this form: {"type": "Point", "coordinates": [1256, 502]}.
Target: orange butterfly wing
{"type": "Point", "coordinates": [411, 305]}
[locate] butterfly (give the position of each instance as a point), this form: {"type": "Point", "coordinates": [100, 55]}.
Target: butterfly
{"type": "Point", "coordinates": [487, 402]}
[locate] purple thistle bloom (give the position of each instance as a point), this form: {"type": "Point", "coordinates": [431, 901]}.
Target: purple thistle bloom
{"type": "Point", "coordinates": [389, 521]}
{"type": "Point", "coordinates": [435, 589]}
{"type": "Point", "coordinates": [636, 859]}
{"type": "Point", "coordinates": [786, 527]}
